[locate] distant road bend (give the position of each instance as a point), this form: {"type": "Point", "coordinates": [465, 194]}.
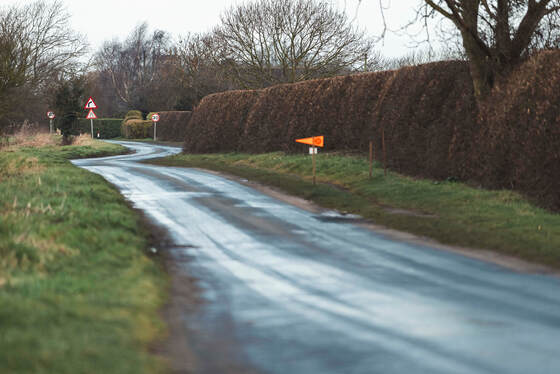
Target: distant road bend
{"type": "Point", "coordinates": [285, 290]}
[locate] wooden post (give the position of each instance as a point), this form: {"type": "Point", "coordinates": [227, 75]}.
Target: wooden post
{"type": "Point", "coordinates": [313, 158]}
{"type": "Point", "coordinates": [370, 159]}
{"type": "Point", "coordinates": [384, 151]}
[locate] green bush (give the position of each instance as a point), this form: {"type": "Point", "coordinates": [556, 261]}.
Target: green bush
{"type": "Point", "coordinates": [133, 114]}
{"type": "Point", "coordinates": [68, 125]}
{"type": "Point", "coordinates": [107, 127]}
{"type": "Point", "coordinates": [137, 129]}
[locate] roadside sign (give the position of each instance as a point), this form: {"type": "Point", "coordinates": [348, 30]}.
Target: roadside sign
{"type": "Point", "coordinates": [316, 141]}
{"type": "Point", "coordinates": [51, 116]}
{"type": "Point", "coordinates": [91, 115]}
{"type": "Point", "coordinates": [155, 120]}
{"type": "Point", "coordinates": [90, 104]}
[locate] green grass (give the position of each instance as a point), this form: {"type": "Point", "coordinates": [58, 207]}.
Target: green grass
{"type": "Point", "coordinates": [78, 294]}
{"type": "Point", "coordinates": [452, 213]}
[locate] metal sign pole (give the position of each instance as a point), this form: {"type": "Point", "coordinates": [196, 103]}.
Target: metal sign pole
{"type": "Point", "coordinates": [50, 126]}
{"type": "Point", "coordinates": [384, 151]}
{"type": "Point", "coordinates": [313, 157]}
{"type": "Point", "coordinates": [155, 131]}
{"type": "Point", "coordinates": [370, 158]}
{"type": "Point", "coordinates": [91, 120]}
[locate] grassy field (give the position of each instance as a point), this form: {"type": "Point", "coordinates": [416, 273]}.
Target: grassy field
{"type": "Point", "coordinates": [452, 213]}
{"type": "Point", "coordinates": [78, 293]}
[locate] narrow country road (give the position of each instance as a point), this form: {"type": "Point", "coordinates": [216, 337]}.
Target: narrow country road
{"type": "Point", "coordinates": [285, 290]}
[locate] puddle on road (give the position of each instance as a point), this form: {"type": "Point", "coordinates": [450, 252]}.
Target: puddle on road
{"type": "Point", "coordinates": [337, 217]}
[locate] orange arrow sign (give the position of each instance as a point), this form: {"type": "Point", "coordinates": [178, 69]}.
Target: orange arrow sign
{"type": "Point", "coordinates": [317, 141]}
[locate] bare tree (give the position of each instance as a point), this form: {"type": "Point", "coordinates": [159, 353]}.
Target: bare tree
{"type": "Point", "coordinates": [37, 46]}
{"type": "Point", "coordinates": [273, 41]}
{"type": "Point", "coordinates": [496, 34]}
{"type": "Point", "coordinates": [133, 65]}
{"type": "Point", "coordinates": [200, 70]}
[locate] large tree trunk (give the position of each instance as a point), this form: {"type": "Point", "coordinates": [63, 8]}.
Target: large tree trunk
{"type": "Point", "coordinates": [493, 54]}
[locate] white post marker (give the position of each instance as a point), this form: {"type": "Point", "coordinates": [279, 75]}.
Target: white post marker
{"type": "Point", "coordinates": [155, 120]}
{"type": "Point", "coordinates": [51, 116]}
{"type": "Point", "coordinates": [90, 104]}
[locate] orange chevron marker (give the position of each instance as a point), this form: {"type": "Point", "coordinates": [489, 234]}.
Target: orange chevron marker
{"type": "Point", "coordinates": [317, 141]}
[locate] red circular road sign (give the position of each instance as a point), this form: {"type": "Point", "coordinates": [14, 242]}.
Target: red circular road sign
{"type": "Point", "coordinates": [51, 115]}
{"type": "Point", "coordinates": [155, 117]}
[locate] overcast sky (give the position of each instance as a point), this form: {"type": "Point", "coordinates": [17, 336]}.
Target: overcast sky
{"type": "Point", "coordinates": [102, 20]}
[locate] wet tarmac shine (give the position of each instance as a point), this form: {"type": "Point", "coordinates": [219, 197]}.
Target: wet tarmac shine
{"type": "Point", "coordinates": [290, 291]}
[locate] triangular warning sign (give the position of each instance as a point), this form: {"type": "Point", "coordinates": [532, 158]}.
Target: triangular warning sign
{"type": "Point", "coordinates": [91, 115]}
{"type": "Point", "coordinates": [317, 141]}
{"type": "Point", "coordinates": [90, 104]}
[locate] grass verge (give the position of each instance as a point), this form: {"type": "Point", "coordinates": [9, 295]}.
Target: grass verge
{"type": "Point", "coordinates": [452, 213]}
{"type": "Point", "coordinates": [78, 294]}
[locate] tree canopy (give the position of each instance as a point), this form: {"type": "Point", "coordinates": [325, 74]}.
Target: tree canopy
{"type": "Point", "coordinates": [497, 35]}
{"type": "Point", "coordinates": [275, 41]}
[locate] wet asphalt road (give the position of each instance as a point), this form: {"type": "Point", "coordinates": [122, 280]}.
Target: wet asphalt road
{"type": "Point", "coordinates": [289, 291]}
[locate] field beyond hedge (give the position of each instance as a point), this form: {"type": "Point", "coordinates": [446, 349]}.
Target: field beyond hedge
{"type": "Point", "coordinates": [450, 212]}
{"type": "Point", "coordinates": [78, 294]}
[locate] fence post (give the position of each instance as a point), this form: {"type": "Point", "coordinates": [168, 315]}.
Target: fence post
{"type": "Point", "coordinates": [370, 159]}
{"type": "Point", "coordinates": [384, 151]}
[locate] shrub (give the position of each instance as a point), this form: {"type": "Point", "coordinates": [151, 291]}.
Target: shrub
{"type": "Point", "coordinates": [424, 111]}
{"type": "Point", "coordinates": [427, 113]}
{"type": "Point", "coordinates": [68, 125]}
{"type": "Point", "coordinates": [107, 127]}
{"type": "Point", "coordinates": [518, 146]}
{"type": "Point", "coordinates": [172, 125]}
{"type": "Point", "coordinates": [133, 114]}
{"type": "Point", "coordinates": [137, 129]}
{"type": "Point", "coordinates": [218, 122]}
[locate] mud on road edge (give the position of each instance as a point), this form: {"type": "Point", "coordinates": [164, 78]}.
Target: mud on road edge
{"type": "Point", "coordinates": [182, 295]}
{"type": "Point", "coordinates": [177, 347]}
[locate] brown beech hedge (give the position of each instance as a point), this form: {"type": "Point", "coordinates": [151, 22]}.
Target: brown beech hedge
{"type": "Point", "coordinates": [427, 114]}
{"type": "Point", "coordinates": [172, 125]}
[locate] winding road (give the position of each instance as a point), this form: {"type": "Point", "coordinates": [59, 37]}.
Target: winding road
{"type": "Point", "coordinates": [285, 290]}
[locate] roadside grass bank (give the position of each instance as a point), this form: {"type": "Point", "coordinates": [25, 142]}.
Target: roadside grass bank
{"type": "Point", "coordinates": [78, 292]}
{"type": "Point", "coordinates": [449, 212]}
